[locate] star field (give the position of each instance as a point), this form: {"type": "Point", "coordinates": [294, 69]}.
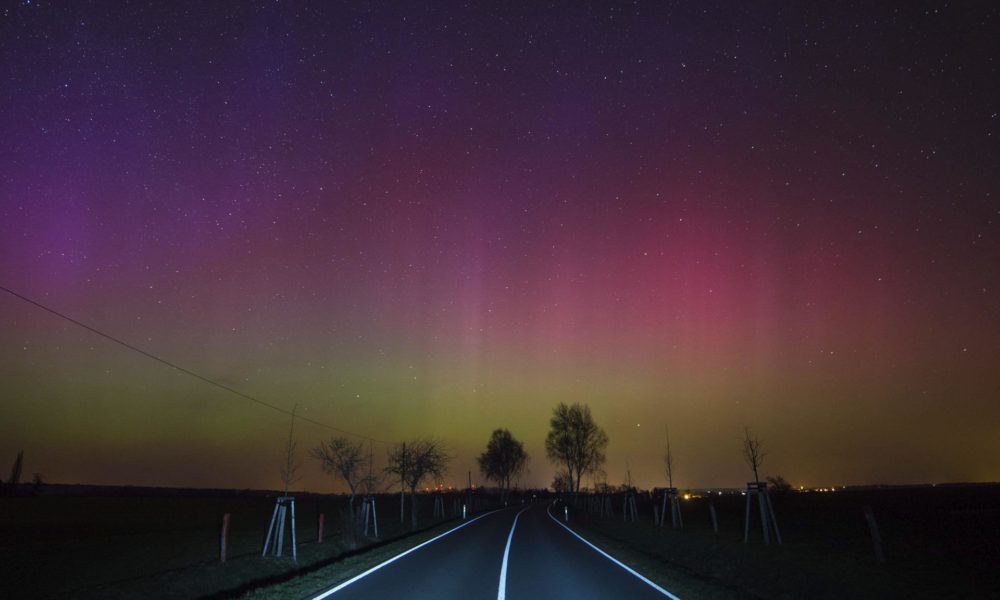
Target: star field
{"type": "Point", "coordinates": [416, 220]}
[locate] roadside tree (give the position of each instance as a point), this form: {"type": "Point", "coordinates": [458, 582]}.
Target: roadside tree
{"type": "Point", "coordinates": [753, 452]}
{"type": "Point", "coordinates": [575, 442]}
{"type": "Point", "coordinates": [412, 463]}
{"type": "Point", "coordinates": [291, 464]}
{"type": "Point", "coordinates": [346, 460]}
{"type": "Point", "coordinates": [503, 460]}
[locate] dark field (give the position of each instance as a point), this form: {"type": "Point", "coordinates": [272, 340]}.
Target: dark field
{"type": "Point", "coordinates": [165, 543]}
{"type": "Point", "coordinates": [941, 542]}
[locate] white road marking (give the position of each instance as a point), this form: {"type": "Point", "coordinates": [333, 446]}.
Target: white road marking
{"type": "Point", "coordinates": [614, 560]}
{"type": "Point", "coordinates": [502, 590]}
{"type": "Point", "coordinates": [395, 558]}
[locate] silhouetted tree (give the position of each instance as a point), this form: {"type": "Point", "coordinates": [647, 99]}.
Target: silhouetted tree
{"type": "Point", "coordinates": [503, 459]}
{"type": "Point", "coordinates": [575, 442]}
{"type": "Point", "coordinates": [779, 484]}
{"type": "Point", "coordinates": [753, 452]}
{"type": "Point", "coordinates": [668, 460]}
{"type": "Point", "coordinates": [599, 479]}
{"type": "Point", "coordinates": [561, 483]}
{"type": "Point", "coordinates": [37, 481]}
{"type": "Point", "coordinates": [345, 459]}
{"type": "Point", "coordinates": [413, 462]}
{"type": "Point", "coordinates": [603, 487]}
{"type": "Point", "coordinates": [15, 470]}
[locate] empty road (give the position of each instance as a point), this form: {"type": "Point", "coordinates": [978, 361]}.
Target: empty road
{"type": "Point", "coordinates": [514, 553]}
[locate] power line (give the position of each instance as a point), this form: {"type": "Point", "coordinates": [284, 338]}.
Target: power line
{"type": "Point", "coordinates": [189, 372]}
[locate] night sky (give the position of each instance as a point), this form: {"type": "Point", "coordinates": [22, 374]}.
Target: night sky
{"type": "Point", "coordinates": [439, 220]}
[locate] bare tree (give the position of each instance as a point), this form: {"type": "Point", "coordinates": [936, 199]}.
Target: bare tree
{"type": "Point", "coordinates": [575, 442]}
{"type": "Point", "coordinates": [290, 467]}
{"type": "Point", "coordinates": [560, 483]}
{"type": "Point", "coordinates": [345, 459]}
{"type": "Point", "coordinates": [503, 459]}
{"type": "Point", "coordinates": [753, 452]}
{"type": "Point", "coordinates": [413, 462]}
{"type": "Point", "coordinates": [15, 470]}
{"type": "Point", "coordinates": [668, 460]}
{"type": "Point", "coordinates": [599, 479]}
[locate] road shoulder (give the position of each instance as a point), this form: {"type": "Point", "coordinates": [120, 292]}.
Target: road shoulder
{"type": "Point", "coordinates": [675, 578]}
{"type": "Point", "coordinates": [307, 585]}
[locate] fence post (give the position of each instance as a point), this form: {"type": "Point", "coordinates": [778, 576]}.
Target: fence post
{"type": "Point", "coordinates": [322, 519]}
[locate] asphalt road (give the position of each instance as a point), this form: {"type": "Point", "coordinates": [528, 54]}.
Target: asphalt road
{"type": "Point", "coordinates": [543, 560]}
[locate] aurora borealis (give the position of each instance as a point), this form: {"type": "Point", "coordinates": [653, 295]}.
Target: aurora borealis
{"type": "Point", "coordinates": [439, 220]}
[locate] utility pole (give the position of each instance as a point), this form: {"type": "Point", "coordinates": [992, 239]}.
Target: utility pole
{"type": "Point", "coordinates": [402, 485]}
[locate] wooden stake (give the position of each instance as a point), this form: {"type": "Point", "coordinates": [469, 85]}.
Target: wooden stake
{"type": "Point", "coordinates": [873, 530]}
{"type": "Point", "coordinates": [663, 509]}
{"type": "Point", "coordinates": [746, 521]}
{"type": "Point", "coordinates": [767, 521]}
{"type": "Point", "coordinates": [295, 555]}
{"type": "Point", "coordinates": [225, 535]}
{"type": "Point", "coordinates": [282, 512]}
{"type": "Point", "coordinates": [764, 525]}
{"type": "Point", "coordinates": [270, 529]}
{"type": "Point", "coordinates": [675, 516]}
{"type": "Point", "coordinates": [319, 537]}
{"type": "Point", "coordinates": [774, 521]}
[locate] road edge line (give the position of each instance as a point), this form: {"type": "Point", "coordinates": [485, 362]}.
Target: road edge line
{"type": "Point", "coordinates": [341, 586]}
{"type": "Point", "coordinates": [613, 559]}
{"type": "Point", "coordinates": [502, 588]}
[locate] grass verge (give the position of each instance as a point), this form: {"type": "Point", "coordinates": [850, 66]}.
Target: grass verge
{"type": "Point", "coordinates": [698, 563]}
{"type": "Point", "coordinates": [673, 577]}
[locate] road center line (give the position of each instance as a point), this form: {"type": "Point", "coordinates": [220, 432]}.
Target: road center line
{"type": "Point", "coordinates": [395, 558]}
{"type": "Point", "coordinates": [613, 559]}
{"type": "Point", "coordinates": [502, 589]}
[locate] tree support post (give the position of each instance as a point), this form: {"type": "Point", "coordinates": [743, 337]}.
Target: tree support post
{"type": "Point", "coordinates": [873, 530]}
{"type": "Point", "coordinates": [283, 507]}
{"type": "Point", "coordinates": [224, 536]}
{"type": "Point", "coordinates": [768, 523]}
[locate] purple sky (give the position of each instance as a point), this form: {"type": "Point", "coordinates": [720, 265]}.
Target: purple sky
{"type": "Point", "coordinates": [416, 221]}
